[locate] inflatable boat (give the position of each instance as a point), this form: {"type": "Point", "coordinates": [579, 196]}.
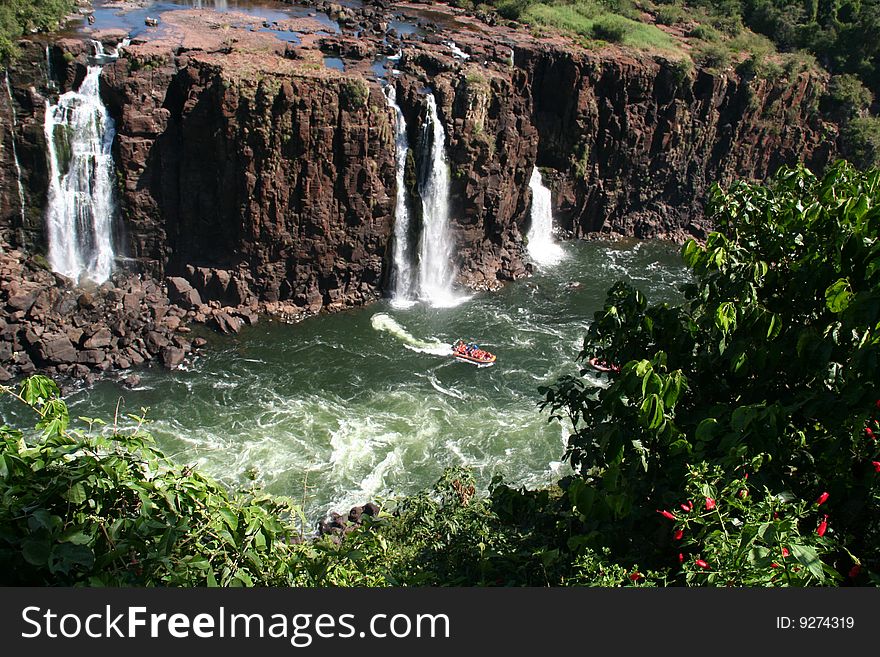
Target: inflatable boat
{"type": "Point", "coordinates": [469, 352]}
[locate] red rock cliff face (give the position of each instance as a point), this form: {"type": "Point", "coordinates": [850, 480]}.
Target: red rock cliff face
{"type": "Point", "coordinates": [266, 177]}
{"type": "Point", "coordinates": [286, 177]}
{"type": "Point", "coordinates": [636, 144]}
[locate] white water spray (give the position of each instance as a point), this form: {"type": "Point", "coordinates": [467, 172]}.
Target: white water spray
{"type": "Point", "coordinates": [436, 272]}
{"type": "Point", "coordinates": [542, 247]}
{"type": "Point", "coordinates": [401, 274]}
{"type": "Point", "coordinates": [79, 133]}
{"type": "Point", "coordinates": [12, 130]}
{"type": "Point", "coordinates": [386, 323]}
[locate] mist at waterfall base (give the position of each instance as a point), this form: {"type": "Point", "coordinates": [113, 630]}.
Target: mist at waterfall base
{"type": "Point", "coordinates": [369, 403]}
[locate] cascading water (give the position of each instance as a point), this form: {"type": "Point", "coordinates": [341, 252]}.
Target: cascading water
{"type": "Point", "coordinates": [79, 133]}
{"type": "Point", "coordinates": [401, 275]}
{"type": "Point", "coordinates": [12, 130]}
{"type": "Point", "coordinates": [50, 74]}
{"type": "Point", "coordinates": [436, 272]}
{"type": "Point", "coordinates": [542, 247]}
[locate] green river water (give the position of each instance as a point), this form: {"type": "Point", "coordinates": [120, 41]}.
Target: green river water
{"type": "Point", "coordinates": [364, 404]}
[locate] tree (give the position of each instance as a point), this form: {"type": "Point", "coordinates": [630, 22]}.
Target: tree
{"type": "Point", "coordinates": [771, 369]}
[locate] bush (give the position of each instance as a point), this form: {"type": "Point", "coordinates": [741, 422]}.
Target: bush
{"type": "Point", "coordinates": [18, 17]}
{"type": "Point", "coordinates": [670, 15]}
{"type": "Point", "coordinates": [608, 29]}
{"type": "Point", "coordinates": [513, 9]}
{"type": "Point", "coordinates": [354, 94]}
{"type": "Point", "coordinates": [846, 98]}
{"type": "Point", "coordinates": [713, 56]}
{"type": "Point", "coordinates": [765, 382]}
{"type": "Point", "coordinates": [860, 141]}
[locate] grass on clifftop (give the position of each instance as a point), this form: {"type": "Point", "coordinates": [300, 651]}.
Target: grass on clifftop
{"type": "Point", "coordinates": [595, 21]}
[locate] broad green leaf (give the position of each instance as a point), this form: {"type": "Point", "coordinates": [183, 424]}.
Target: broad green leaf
{"type": "Point", "coordinates": [36, 552]}
{"type": "Point", "coordinates": [838, 295]}
{"type": "Point", "coordinates": [725, 317]}
{"type": "Point", "coordinates": [807, 556]}
{"type": "Point", "coordinates": [706, 429]}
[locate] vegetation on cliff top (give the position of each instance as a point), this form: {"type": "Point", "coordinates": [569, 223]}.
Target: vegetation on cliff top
{"type": "Point", "coordinates": [765, 38]}
{"type": "Point", "coordinates": [21, 17]}
{"type": "Point", "coordinates": [737, 446]}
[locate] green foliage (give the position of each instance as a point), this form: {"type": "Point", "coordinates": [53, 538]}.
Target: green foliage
{"type": "Point", "coordinates": [712, 55]}
{"type": "Point", "coordinates": [861, 141]}
{"type": "Point", "coordinates": [20, 17]}
{"type": "Point", "coordinates": [607, 28]}
{"type": "Point", "coordinates": [846, 98]}
{"type": "Point", "coordinates": [772, 366]}
{"type": "Point", "coordinates": [81, 507]}
{"type": "Point", "coordinates": [354, 94]}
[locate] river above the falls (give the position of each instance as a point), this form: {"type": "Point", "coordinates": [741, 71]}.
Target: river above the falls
{"type": "Point", "coordinates": [363, 404]}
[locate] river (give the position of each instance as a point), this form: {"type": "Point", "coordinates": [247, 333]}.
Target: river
{"type": "Point", "coordinates": [363, 405]}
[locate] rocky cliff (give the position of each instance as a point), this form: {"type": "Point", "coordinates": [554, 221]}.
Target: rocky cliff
{"type": "Point", "coordinates": [264, 181]}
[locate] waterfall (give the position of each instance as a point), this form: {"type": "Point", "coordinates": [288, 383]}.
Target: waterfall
{"type": "Point", "coordinates": [12, 130]}
{"type": "Point", "coordinates": [436, 272]}
{"type": "Point", "coordinates": [79, 134]}
{"type": "Point", "coordinates": [50, 74]}
{"type": "Point", "coordinates": [542, 247]}
{"type": "Point", "coordinates": [401, 273]}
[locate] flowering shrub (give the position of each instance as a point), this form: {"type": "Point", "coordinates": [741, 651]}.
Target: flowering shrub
{"type": "Point", "coordinates": [749, 537]}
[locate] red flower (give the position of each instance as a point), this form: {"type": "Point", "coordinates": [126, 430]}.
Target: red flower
{"type": "Point", "coordinates": [822, 499]}
{"type": "Point", "coordinates": [687, 508]}
{"type": "Point", "coordinates": [785, 552]}
{"type": "Point", "coordinates": [743, 493]}
{"type": "Point", "coordinates": [854, 571]}
{"type": "Point", "coordinates": [774, 565]}
{"type": "Point", "coordinates": [823, 526]}
{"type": "Point", "coordinates": [666, 514]}
{"type": "Point", "coordinates": [878, 403]}
{"type": "Point", "coordinates": [701, 563]}
{"type": "Point", "coordinates": [746, 475]}
{"type": "Point", "coordinates": [678, 534]}
{"type": "Point", "coordinates": [710, 504]}
{"type": "Point", "coordinates": [876, 465]}
{"type": "Point", "coordinates": [680, 557]}
{"type": "Point", "coordinates": [636, 576]}
{"type": "Point", "coordinates": [869, 433]}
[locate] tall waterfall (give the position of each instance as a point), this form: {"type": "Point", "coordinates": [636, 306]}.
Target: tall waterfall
{"type": "Point", "coordinates": [12, 130]}
{"type": "Point", "coordinates": [542, 247]}
{"type": "Point", "coordinates": [401, 274]}
{"type": "Point", "coordinates": [79, 132]}
{"type": "Point", "coordinates": [436, 272]}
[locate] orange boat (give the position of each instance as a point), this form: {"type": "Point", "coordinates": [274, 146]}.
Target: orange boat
{"type": "Point", "coordinates": [469, 352]}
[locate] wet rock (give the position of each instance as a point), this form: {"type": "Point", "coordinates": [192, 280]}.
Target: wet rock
{"type": "Point", "coordinates": [156, 341]}
{"type": "Point", "coordinates": [172, 357]}
{"type": "Point", "coordinates": [226, 323]}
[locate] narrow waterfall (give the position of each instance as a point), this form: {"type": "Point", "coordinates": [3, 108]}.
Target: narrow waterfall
{"type": "Point", "coordinates": [50, 74]}
{"type": "Point", "coordinates": [401, 273]}
{"type": "Point", "coordinates": [12, 130]}
{"type": "Point", "coordinates": [436, 272]}
{"type": "Point", "coordinates": [542, 247]}
{"type": "Point", "coordinates": [79, 134]}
